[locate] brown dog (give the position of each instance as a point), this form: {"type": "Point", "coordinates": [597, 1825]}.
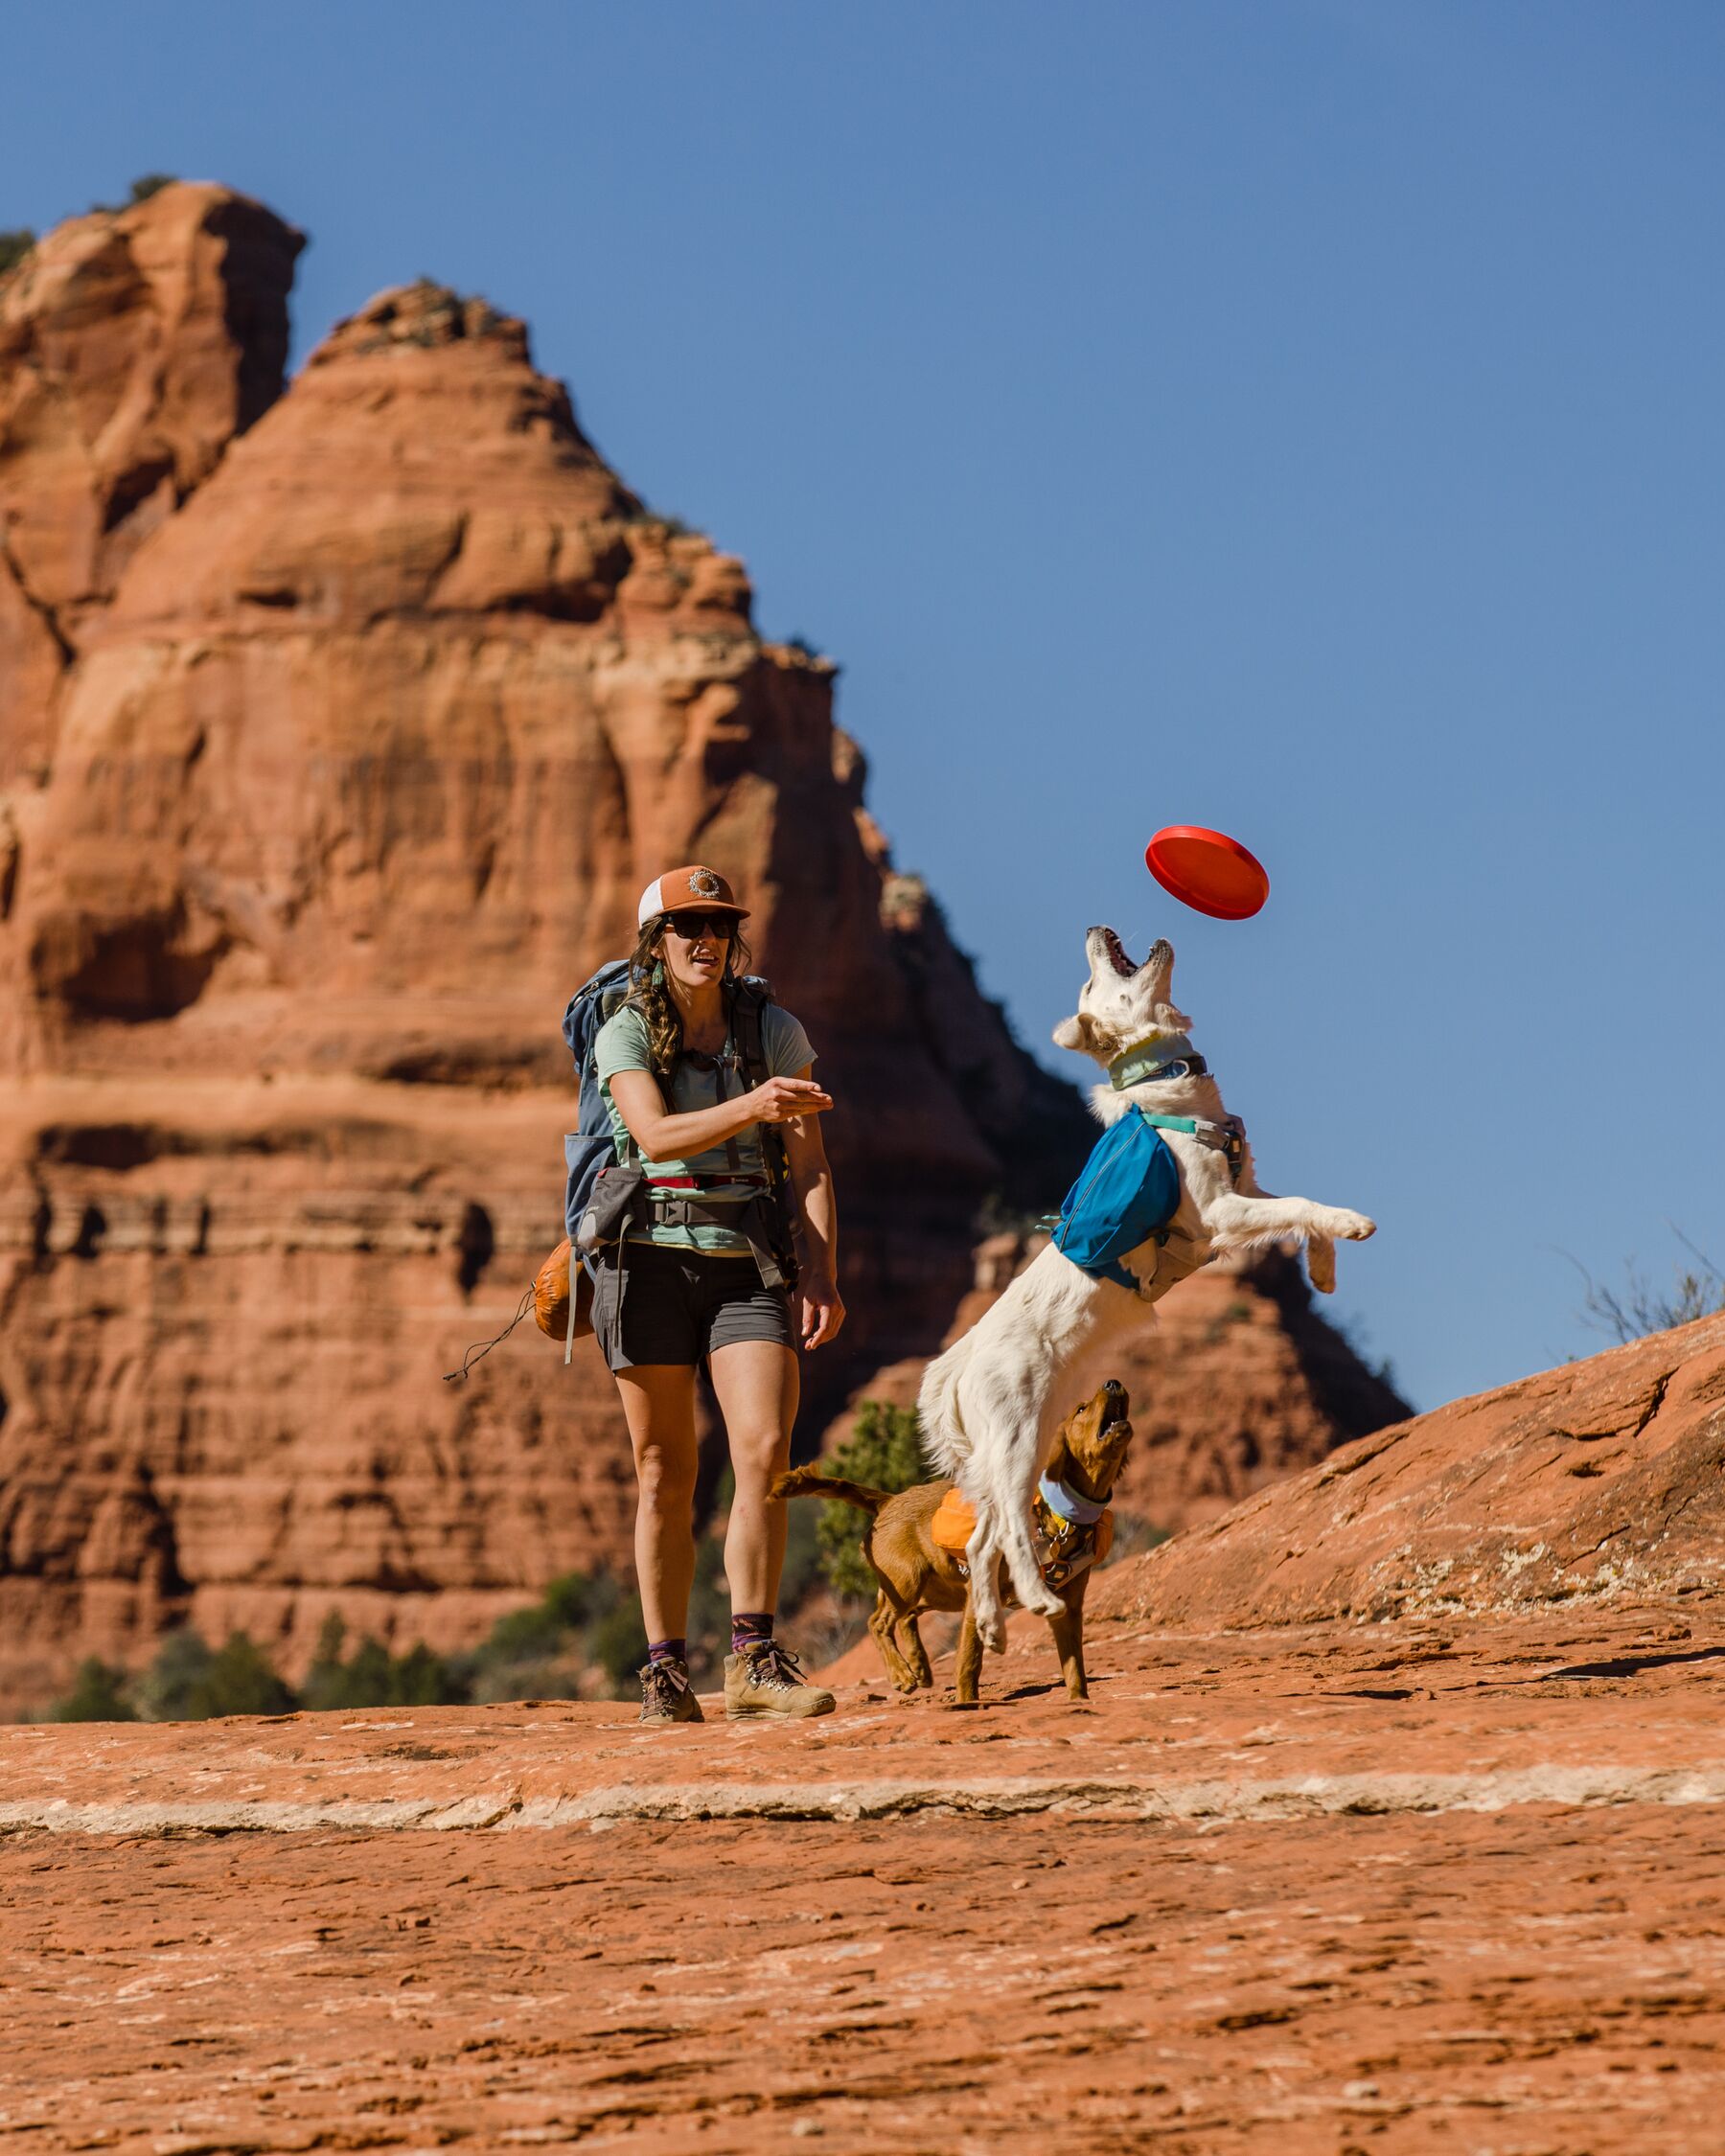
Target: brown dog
{"type": "Point", "coordinates": [916, 1574]}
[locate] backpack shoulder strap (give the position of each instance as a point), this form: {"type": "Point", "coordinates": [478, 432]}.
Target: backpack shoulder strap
{"type": "Point", "coordinates": [750, 999]}
{"type": "Point", "coordinates": [598, 998]}
{"type": "Point", "coordinates": [611, 999]}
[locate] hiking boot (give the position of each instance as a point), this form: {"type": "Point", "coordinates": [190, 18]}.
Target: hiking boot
{"type": "Point", "coordinates": [768, 1680]}
{"type": "Point", "coordinates": [667, 1694]}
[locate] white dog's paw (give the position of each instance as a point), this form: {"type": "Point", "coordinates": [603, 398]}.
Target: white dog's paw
{"type": "Point", "coordinates": [1352, 1228]}
{"type": "Point", "coordinates": [1044, 1604]}
{"type": "Point", "coordinates": [992, 1632]}
{"type": "Point", "coordinates": [1320, 1264]}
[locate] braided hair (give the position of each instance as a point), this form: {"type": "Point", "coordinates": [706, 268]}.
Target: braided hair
{"type": "Point", "coordinates": [649, 993]}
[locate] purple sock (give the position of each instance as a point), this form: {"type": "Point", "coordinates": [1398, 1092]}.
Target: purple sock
{"type": "Point", "coordinates": [750, 1628]}
{"type": "Point", "coordinates": [668, 1650]}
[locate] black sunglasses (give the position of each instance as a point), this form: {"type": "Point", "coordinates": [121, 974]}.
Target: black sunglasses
{"type": "Point", "coordinates": [691, 926]}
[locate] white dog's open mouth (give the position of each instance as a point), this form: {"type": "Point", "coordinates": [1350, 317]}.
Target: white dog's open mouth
{"type": "Point", "coordinates": [1116, 955]}
{"type": "Point", "coordinates": [1122, 964]}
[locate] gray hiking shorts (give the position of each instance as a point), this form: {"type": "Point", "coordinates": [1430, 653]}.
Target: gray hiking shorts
{"type": "Point", "coordinates": [680, 1305]}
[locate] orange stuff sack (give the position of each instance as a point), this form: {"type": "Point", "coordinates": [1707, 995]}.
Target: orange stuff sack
{"type": "Point", "coordinates": [954, 1524]}
{"type": "Point", "coordinates": [1104, 1534]}
{"type": "Point", "coordinates": [551, 1296]}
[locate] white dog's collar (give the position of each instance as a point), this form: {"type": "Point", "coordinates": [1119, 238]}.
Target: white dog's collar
{"type": "Point", "coordinates": [1163, 1055]}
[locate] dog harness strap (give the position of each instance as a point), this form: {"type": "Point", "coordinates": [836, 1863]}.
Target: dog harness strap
{"type": "Point", "coordinates": [1227, 1138]}
{"type": "Point", "coordinates": [1060, 1497]}
{"type": "Point", "coordinates": [1164, 1055]}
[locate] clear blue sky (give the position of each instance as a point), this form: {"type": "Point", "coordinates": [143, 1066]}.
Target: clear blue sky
{"type": "Point", "coordinates": [1306, 418]}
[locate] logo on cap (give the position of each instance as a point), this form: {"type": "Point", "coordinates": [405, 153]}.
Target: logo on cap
{"type": "Point", "coordinates": [704, 883]}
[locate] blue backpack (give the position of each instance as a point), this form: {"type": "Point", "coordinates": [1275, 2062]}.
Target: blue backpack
{"type": "Point", "coordinates": [1127, 1192]}
{"type": "Point", "coordinates": [590, 1146]}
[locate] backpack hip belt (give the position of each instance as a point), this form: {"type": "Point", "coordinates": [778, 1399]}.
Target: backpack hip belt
{"type": "Point", "coordinates": [707, 1182]}
{"type": "Point", "coordinates": [749, 1213]}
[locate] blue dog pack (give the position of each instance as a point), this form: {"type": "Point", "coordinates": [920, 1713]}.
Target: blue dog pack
{"type": "Point", "coordinates": [1126, 1193]}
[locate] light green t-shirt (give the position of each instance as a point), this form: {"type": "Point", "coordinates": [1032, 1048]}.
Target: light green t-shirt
{"type": "Point", "coordinates": [621, 1044]}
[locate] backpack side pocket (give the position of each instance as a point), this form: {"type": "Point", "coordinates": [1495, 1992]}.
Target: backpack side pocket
{"type": "Point", "coordinates": [614, 1203]}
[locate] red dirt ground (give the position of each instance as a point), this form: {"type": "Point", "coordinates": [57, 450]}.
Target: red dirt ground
{"type": "Point", "coordinates": [1386, 1888]}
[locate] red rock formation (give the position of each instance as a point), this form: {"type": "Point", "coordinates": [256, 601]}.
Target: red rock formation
{"type": "Point", "coordinates": [1589, 1483]}
{"type": "Point", "coordinates": [134, 345]}
{"type": "Point", "coordinates": [356, 776]}
{"type": "Point", "coordinates": [357, 772]}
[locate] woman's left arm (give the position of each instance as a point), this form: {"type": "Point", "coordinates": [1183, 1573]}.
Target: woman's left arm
{"type": "Point", "coordinates": [822, 1308]}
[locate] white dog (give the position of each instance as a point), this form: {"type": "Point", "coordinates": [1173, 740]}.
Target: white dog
{"type": "Point", "coordinates": [991, 1405]}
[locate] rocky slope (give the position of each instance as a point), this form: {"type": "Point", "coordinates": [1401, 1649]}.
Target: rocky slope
{"type": "Point", "coordinates": [343, 723]}
{"type": "Point", "coordinates": [1590, 1484]}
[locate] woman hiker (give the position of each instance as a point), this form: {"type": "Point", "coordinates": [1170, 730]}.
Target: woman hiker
{"type": "Point", "coordinates": [699, 1281]}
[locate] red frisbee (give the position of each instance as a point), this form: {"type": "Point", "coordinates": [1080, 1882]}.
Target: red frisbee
{"type": "Point", "coordinates": [1208, 871]}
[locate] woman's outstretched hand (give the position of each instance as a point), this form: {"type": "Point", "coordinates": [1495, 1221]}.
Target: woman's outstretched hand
{"type": "Point", "coordinates": [782, 1100]}
{"type": "Point", "coordinates": [821, 1310]}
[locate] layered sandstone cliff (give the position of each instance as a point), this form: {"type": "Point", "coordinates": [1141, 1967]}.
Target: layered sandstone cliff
{"type": "Point", "coordinates": [343, 723]}
{"type": "Point", "coordinates": [134, 345]}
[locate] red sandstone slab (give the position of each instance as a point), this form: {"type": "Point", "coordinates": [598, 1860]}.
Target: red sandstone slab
{"type": "Point", "coordinates": [1546, 1977]}
{"type": "Point", "coordinates": [1219, 1728]}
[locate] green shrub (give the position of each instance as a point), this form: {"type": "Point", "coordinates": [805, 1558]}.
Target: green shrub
{"type": "Point", "coordinates": [617, 1642]}
{"type": "Point", "coordinates": [238, 1678]}
{"type": "Point", "coordinates": [1698, 1290]}
{"type": "Point", "coordinates": [545, 1650]}
{"type": "Point", "coordinates": [95, 1696]}
{"type": "Point", "coordinates": [1133, 1536]}
{"type": "Point", "coordinates": [14, 245]}
{"type": "Point", "coordinates": [150, 183]}
{"type": "Point", "coordinates": [581, 1625]}
{"type": "Point", "coordinates": [373, 1677]}
{"type": "Point", "coordinates": [884, 1451]}
{"type": "Point", "coordinates": [544, 1626]}
{"type": "Point", "coordinates": [542, 1632]}
{"type": "Point", "coordinates": [802, 1556]}
{"type": "Point", "coordinates": [164, 1691]}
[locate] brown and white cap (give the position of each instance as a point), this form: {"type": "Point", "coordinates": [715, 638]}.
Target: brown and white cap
{"type": "Point", "coordinates": [688, 890]}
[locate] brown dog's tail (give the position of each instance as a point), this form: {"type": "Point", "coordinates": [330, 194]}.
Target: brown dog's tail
{"type": "Point", "coordinates": [809, 1482]}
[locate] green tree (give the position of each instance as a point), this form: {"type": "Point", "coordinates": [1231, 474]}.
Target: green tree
{"type": "Point", "coordinates": [371, 1676]}
{"type": "Point", "coordinates": [325, 1678]}
{"type": "Point", "coordinates": [14, 245]}
{"type": "Point", "coordinates": [95, 1696]}
{"type": "Point", "coordinates": [165, 1689]}
{"type": "Point", "coordinates": [884, 1451]}
{"type": "Point", "coordinates": [150, 183]}
{"type": "Point", "coordinates": [539, 1652]}
{"type": "Point", "coordinates": [617, 1641]}
{"type": "Point", "coordinates": [421, 1677]}
{"type": "Point", "coordinates": [240, 1678]}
